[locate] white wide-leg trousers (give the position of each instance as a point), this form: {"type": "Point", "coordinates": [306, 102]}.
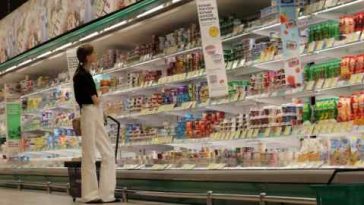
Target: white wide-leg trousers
{"type": "Point", "coordinates": [94, 136]}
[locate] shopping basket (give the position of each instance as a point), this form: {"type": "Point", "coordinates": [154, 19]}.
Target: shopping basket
{"type": "Point", "coordinates": [340, 194]}
{"type": "Point", "coordinates": [74, 168]}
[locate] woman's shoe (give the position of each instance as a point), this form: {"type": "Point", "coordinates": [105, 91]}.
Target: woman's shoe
{"type": "Point", "coordinates": [96, 201]}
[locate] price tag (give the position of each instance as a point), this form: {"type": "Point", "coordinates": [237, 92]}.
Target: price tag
{"type": "Point", "coordinates": [320, 45]}
{"type": "Point", "coordinates": [353, 37]}
{"type": "Point", "coordinates": [267, 132]}
{"type": "Point", "coordinates": [236, 64]}
{"type": "Point", "coordinates": [333, 82]}
{"type": "Point", "coordinates": [237, 134]}
{"type": "Point", "coordinates": [358, 78]}
{"type": "Point", "coordinates": [329, 42]}
{"type": "Point", "coordinates": [310, 85]}
{"type": "Point", "coordinates": [287, 131]}
{"type": "Point", "coordinates": [244, 134]}
{"type": "Point", "coordinates": [319, 84]}
{"type": "Point", "coordinates": [255, 133]}
{"type": "Point", "coordinates": [278, 131]}
{"type": "Point", "coordinates": [311, 47]}
{"type": "Point", "coordinates": [249, 133]}
{"type": "Point", "coordinates": [327, 83]}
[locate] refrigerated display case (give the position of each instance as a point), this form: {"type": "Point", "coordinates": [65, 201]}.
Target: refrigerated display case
{"type": "Point", "coordinates": [266, 138]}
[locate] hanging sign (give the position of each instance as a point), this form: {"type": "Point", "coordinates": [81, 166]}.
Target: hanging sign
{"type": "Point", "coordinates": [212, 48]}
{"type": "Point", "coordinates": [291, 42]}
{"type": "Point", "coordinates": [13, 126]}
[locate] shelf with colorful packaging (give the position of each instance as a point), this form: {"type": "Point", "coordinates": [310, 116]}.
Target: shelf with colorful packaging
{"type": "Point", "coordinates": [159, 87]}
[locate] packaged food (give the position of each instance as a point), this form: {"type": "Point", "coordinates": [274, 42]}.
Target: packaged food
{"type": "Point", "coordinates": [345, 68]}
{"type": "Point", "coordinates": [344, 109]}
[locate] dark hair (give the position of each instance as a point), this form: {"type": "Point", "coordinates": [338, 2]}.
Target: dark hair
{"type": "Point", "coordinates": [84, 51]}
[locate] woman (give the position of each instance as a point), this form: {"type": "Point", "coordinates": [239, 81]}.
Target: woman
{"type": "Point", "coordinates": [94, 135]}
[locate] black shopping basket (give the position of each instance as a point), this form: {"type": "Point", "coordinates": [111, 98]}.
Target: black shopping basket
{"type": "Point", "coordinates": [74, 168]}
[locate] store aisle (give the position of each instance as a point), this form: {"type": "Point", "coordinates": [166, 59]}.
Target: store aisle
{"type": "Point", "coordinates": [15, 197]}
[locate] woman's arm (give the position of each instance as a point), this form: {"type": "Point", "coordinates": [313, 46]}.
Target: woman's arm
{"type": "Point", "coordinates": [95, 100]}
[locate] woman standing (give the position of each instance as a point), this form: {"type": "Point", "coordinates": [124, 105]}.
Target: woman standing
{"type": "Point", "coordinates": [94, 135]}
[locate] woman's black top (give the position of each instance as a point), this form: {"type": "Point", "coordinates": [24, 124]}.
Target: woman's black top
{"type": "Point", "coordinates": [84, 87]}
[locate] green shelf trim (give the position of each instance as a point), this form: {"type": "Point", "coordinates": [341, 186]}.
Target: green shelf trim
{"type": "Point", "coordinates": [78, 33]}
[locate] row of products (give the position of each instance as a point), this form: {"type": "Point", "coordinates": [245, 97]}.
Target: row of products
{"type": "Point", "coordinates": [352, 23]}
{"type": "Point", "coordinates": [56, 96]}
{"type": "Point", "coordinates": [320, 152]}
{"type": "Point", "coordinates": [216, 158]}
{"type": "Point", "coordinates": [137, 132]}
{"type": "Point", "coordinates": [179, 39]}
{"type": "Point", "coordinates": [194, 92]}
{"type": "Point", "coordinates": [275, 116]}
{"type": "Point", "coordinates": [351, 108]}
{"type": "Point", "coordinates": [342, 109]}
{"type": "Point", "coordinates": [336, 151]}
{"type": "Point", "coordinates": [267, 81]}
{"type": "Point", "coordinates": [192, 126]}
{"type": "Point", "coordinates": [60, 139]}
{"type": "Point", "coordinates": [334, 29]}
{"type": "Point", "coordinates": [343, 68]}
{"type": "Point", "coordinates": [28, 85]}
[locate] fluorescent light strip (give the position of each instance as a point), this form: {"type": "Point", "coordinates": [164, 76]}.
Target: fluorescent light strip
{"type": "Point", "coordinates": [25, 62]}
{"type": "Point", "coordinates": [116, 25]}
{"type": "Point", "coordinates": [45, 54]}
{"type": "Point", "coordinates": [63, 47]}
{"type": "Point", "coordinates": [89, 36]}
{"type": "Point", "coordinates": [151, 11]}
{"type": "Point", "coordinates": [175, 1]}
{"type": "Point", "coordinates": [11, 68]}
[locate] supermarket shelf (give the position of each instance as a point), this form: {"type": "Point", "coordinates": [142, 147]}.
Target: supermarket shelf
{"type": "Point", "coordinates": [37, 131]}
{"type": "Point", "coordinates": [39, 92]}
{"type": "Point", "coordinates": [160, 60]}
{"type": "Point", "coordinates": [319, 55]}
{"type": "Point", "coordinates": [316, 17]}
{"type": "Point", "coordinates": [54, 108]}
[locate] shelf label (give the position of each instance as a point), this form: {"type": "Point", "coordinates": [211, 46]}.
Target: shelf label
{"type": "Point", "coordinates": [267, 132]}
{"type": "Point", "coordinates": [320, 45]}
{"type": "Point", "coordinates": [287, 131]}
{"type": "Point", "coordinates": [255, 133]}
{"type": "Point", "coordinates": [329, 42]}
{"type": "Point", "coordinates": [249, 133]}
{"type": "Point", "coordinates": [212, 48]}
{"type": "Point", "coordinates": [310, 85]}
{"type": "Point", "coordinates": [311, 47]}
{"type": "Point", "coordinates": [319, 84]}
{"type": "Point", "coordinates": [356, 79]}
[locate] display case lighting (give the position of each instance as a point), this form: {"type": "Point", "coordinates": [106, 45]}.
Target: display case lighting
{"type": "Point", "coordinates": [10, 69]}
{"type": "Point", "coordinates": [25, 62]}
{"type": "Point", "coordinates": [89, 36]}
{"type": "Point", "coordinates": [155, 9]}
{"type": "Point", "coordinates": [116, 25]}
{"type": "Point", "coordinates": [63, 47]}
{"type": "Point", "coordinates": [45, 54]}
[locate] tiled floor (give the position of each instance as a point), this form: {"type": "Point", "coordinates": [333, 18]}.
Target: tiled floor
{"type": "Point", "coordinates": [15, 197]}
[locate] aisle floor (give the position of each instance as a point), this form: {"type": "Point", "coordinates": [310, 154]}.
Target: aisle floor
{"type": "Point", "coordinates": [15, 197]}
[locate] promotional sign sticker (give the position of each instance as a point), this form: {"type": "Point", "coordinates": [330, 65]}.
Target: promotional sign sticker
{"type": "Point", "coordinates": [212, 48]}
